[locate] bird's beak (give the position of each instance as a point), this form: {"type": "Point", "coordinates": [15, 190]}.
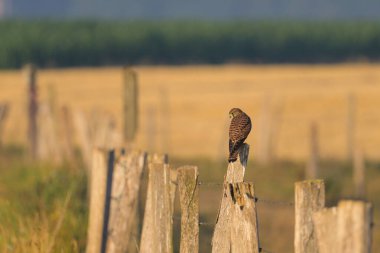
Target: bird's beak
{"type": "Point", "coordinates": [230, 116]}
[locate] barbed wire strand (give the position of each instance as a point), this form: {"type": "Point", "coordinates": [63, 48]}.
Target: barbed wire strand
{"type": "Point", "coordinates": [262, 200]}
{"type": "Point", "coordinates": [138, 250]}
{"type": "Point", "coordinates": [200, 183]}
{"type": "Point", "coordinates": [274, 202]}
{"type": "Point", "coordinates": [203, 223]}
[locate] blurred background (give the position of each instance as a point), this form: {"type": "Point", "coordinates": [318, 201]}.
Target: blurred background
{"type": "Point", "coordinates": [306, 72]}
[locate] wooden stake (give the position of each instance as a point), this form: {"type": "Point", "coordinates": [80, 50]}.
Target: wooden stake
{"type": "Point", "coordinates": [151, 128]}
{"type": "Point", "coordinates": [158, 219]}
{"type": "Point", "coordinates": [84, 137]}
{"type": "Point", "coordinates": [32, 109]}
{"type": "Point", "coordinates": [49, 147]}
{"type": "Point", "coordinates": [124, 201]}
{"type": "Point", "coordinates": [100, 189]}
{"type": "Point", "coordinates": [351, 127]}
{"type": "Point", "coordinates": [236, 170]}
{"type": "Point", "coordinates": [354, 227]}
{"type": "Point", "coordinates": [236, 228]}
{"type": "Point", "coordinates": [264, 151]}
{"type": "Point", "coordinates": [130, 104]}
{"type": "Point", "coordinates": [164, 120]}
{"type": "Point", "coordinates": [4, 108]}
{"type": "Point", "coordinates": [189, 200]}
{"type": "Point", "coordinates": [309, 197]}
{"type": "Point", "coordinates": [312, 167]}
{"type": "Point", "coordinates": [325, 225]}
{"type": "Point", "coordinates": [244, 229]}
{"type": "Point", "coordinates": [359, 174]}
{"type": "Point", "coordinates": [67, 133]}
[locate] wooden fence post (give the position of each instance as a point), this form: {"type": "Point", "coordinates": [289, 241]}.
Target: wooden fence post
{"type": "Point", "coordinates": [325, 226]}
{"type": "Point", "coordinates": [48, 144]}
{"type": "Point", "coordinates": [236, 170]}
{"type": "Point", "coordinates": [244, 229]}
{"type": "Point", "coordinates": [4, 108]}
{"type": "Point", "coordinates": [124, 202]}
{"type": "Point", "coordinates": [264, 151]}
{"type": "Point", "coordinates": [164, 120]}
{"type": "Point", "coordinates": [151, 128]}
{"type": "Point", "coordinates": [312, 167]}
{"type": "Point", "coordinates": [84, 137]}
{"type": "Point", "coordinates": [67, 133]}
{"type": "Point", "coordinates": [236, 228]}
{"type": "Point", "coordinates": [158, 219]}
{"type": "Point", "coordinates": [354, 227]}
{"type": "Point", "coordinates": [309, 197]}
{"type": "Point", "coordinates": [359, 173]}
{"type": "Point", "coordinates": [351, 127]}
{"type": "Point", "coordinates": [31, 72]}
{"type": "Point", "coordinates": [189, 200]}
{"type": "Point", "coordinates": [130, 98]}
{"type": "Point", "coordinates": [100, 196]}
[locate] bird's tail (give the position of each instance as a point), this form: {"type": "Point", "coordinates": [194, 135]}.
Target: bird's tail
{"type": "Point", "coordinates": [233, 157]}
{"type": "Point", "coordinates": [234, 150]}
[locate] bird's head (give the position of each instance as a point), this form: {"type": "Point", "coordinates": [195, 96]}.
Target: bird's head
{"type": "Point", "coordinates": [235, 112]}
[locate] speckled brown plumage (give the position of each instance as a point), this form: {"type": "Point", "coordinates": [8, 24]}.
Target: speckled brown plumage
{"type": "Point", "coordinates": [239, 129]}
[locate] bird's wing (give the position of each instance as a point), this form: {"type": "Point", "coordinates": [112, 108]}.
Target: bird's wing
{"type": "Point", "coordinates": [240, 128]}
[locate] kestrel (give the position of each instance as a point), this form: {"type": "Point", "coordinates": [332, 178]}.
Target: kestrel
{"type": "Point", "coordinates": [239, 129]}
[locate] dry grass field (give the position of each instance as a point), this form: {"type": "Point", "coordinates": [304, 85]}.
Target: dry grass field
{"type": "Point", "coordinates": [184, 110]}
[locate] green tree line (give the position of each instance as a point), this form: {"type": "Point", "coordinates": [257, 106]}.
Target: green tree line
{"type": "Point", "coordinates": [94, 43]}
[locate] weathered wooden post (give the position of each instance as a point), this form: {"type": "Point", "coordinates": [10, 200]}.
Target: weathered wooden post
{"type": "Point", "coordinates": [236, 228]}
{"type": "Point", "coordinates": [130, 97]}
{"type": "Point", "coordinates": [124, 201]}
{"type": "Point", "coordinates": [4, 108]}
{"type": "Point", "coordinates": [67, 133]}
{"type": "Point", "coordinates": [312, 167]}
{"type": "Point", "coordinates": [189, 200]}
{"type": "Point", "coordinates": [354, 227]}
{"type": "Point", "coordinates": [351, 127]}
{"type": "Point", "coordinates": [309, 197]}
{"type": "Point", "coordinates": [151, 128]}
{"type": "Point", "coordinates": [244, 229]}
{"type": "Point", "coordinates": [164, 120]}
{"type": "Point", "coordinates": [359, 173]}
{"type": "Point", "coordinates": [84, 137]}
{"type": "Point", "coordinates": [344, 229]}
{"type": "Point", "coordinates": [264, 152]}
{"type": "Point", "coordinates": [52, 100]}
{"type": "Point", "coordinates": [100, 196]}
{"type": "Point", "coordinates": [48, 145]}
{"type": "Point", "coordinates": [31, 73]}
{"type": "Point", "coordinates": [157, 231]}
{"type": "Point", "coordinates": [325, 227]}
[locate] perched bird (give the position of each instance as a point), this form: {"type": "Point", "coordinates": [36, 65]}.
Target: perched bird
{"type": "Point", "coordinates": [239, 129]}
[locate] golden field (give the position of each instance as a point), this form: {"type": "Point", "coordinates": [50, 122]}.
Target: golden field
{"type": "Point", "coordinates": [184, 110]}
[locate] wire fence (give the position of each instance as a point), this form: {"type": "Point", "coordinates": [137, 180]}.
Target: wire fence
{"type": "Point", "coordinates": [203, 223]}
{"type": "Point", "coordinates": [259, 200]}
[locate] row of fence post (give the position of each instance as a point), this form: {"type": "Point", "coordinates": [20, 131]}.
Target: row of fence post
{"type": "Point", "coordinates": [342, 229]}
{"type": "Point", "coordinates": [312, 169]}
{"type": "Point", "coordinates": [269, 122]}
{"type": "Point", "coordinates": [50, 136]}
{"type": "Point", "coordinates": [115, 189]}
